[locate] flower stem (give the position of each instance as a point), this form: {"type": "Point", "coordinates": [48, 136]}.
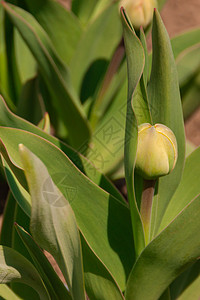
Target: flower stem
{"type": "Point", "coordinates": [146, 206]}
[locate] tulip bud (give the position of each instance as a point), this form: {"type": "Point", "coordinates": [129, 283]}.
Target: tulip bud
{"type": "Point", "coordinates": [156, 151]}
{"type": "Point", "coordinates": [140, 12]}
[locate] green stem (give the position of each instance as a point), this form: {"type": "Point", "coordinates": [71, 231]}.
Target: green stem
{"type": "Point", "coordinates": [146, 206]}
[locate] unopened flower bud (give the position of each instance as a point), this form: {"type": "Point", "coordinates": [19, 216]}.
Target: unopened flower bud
{"type": "Point", "coordinates": [140, 12]}
{"type": "Point", "coordinates": [156, 151]}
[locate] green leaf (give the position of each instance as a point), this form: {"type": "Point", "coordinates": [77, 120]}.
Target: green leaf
{"type": "Point", "coordinates": [99, 282]}
{"type": "Point", "coordinates": [7, 293]}
{"type": "Point", "coordinates": [188, 63]}
{"type": "Point", "coordinates": [165, 106]}
{"type": "Point", "coordinates": [169, 254]}
{"type": "Point", "coordinates": [15, 268]}
{"type": "Point", "coordinates": [54, 72]}
{"type": "Point", "coordinates": [61, 25]}
{"type": "Point", "coordinates": [52, 282]}
{"type": "Point", "coordinates": [187, 189]}
{"type": "Point", "coordinates": [88, 9]}
{"type": "Point", "coordinates": [191, 95]}
{"type": "Point", "coordinates": [8, 221]}
{"type": "Point", "coordinates": [107, 142]}
{"type": "Point", "coordinates": [25, 61]}
{"type": "Point", "coordinates": [30, 104]}
{"type": "Point", "coordinates": [184, 41]}
{"type": "Point", "coordinates": [53, 223]}
{"type": "Point", "coordinates": [83, 9]}
{"type": "Point", "coordinates": [186, 286]}
{"type": "Point", "coordinates": [8, 119]}
{"type": "Point", "coordinates": [135, 63]}
{"type": "Point", "coordinates": [97, 43]}
{"type": "Point", "coordinates": [109, 243]}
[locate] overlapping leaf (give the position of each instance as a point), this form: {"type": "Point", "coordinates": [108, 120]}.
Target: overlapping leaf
{"type": "Point", "coordinates": [169, 254]}
{"type": "Point", "coordinates": [55, 74]}
{"type": "Point", "coordinates": [108, 216]}
{"type": "Point", "coordinates": [61, 25]}
{"type": "Point", "coordinates": [14, 267]}
{"type": "Point", "coordinates": [165, 105]}
{"type": "Point", "coordinates": [135, 60]}
{"type": "Point", "coordinates": [8, 119]}
{"type": "Point", "coordinates": [53, 224]}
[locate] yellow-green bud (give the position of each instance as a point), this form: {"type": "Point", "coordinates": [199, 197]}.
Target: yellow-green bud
{"type": "Point", "coordinates": [156, 151]}
{"type": "Point", "coordinates": [140, 12]}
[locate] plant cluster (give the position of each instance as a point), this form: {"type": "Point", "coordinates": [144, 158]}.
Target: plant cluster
{"type": "Point", "coordinates": [58, 165]}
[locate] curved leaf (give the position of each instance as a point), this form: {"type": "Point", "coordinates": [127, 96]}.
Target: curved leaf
{"type": "Point", "coordinates": [113, 217]}
{"type": "Point", "coordinates": [186, 286]}
{"type": "Point", "coordinates": [187, 189]}
{"type": "Point", "coordinates": [8, 119]}
{"type": "Point", "coordinates": [7, 293]}
{"type": "Point", "coordinates": [61, 25]}
{"type": "Point", "coordinates": [55, 74]}
{"type": "Point", "coordinates": [165, 105]}
{"type": "Point", "coordinates": [98, 42]}
{"type": "Point", "coordinates": [99, 282]}
{"type": "Point", "coordinates": [54, 285]}
{"type": "Point", "coordinates": [169, 254]}
{"type": "Point", "coordinates": [14, 267]}
{"type": "Point", "coordinates": [135, 63]}
{"type": "Point", "coordinates": [185, 40]}
{"type": "Point", "coordinates": [53, 223]}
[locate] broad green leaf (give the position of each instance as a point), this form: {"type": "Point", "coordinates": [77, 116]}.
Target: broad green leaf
{"type": "Point", "coordinates": [95, 272]}
{"type": "Point", "coordinates": [99, 282]}
{"type": "Point", "coordinates": [184, 41]}
{"type": "Point", "coordinates": [8, 119]}
{"type": "Point", "coordinates": [16, 184]}
{"type": "Point", "coordinates": [15, 268]}
{"type": "Point", "coordinates": [25, 61]}
{"type": "Point", "coordinates": [92, 278]}
{"type": "Point", "coordinates": [97, 43]}
{"type": "Point", "coordinates": [188, 63]}
{"type": "Point", "coordinates": [30, 105]}
{"type": "Point", "coordinates": [187, 189]}
{"type": "Point", "coordinates": [192, 292]}
{"type": "Point", "coordinates": [165, 106]}
{"type": "Point", "coordinates": [54, 72]}
{"type": "Point", "coordinates": [191, 95]}
{"type": "Point", "coordinates": [186, 286]}
{"type": "Point", "coordinates": [52, 282]}
{"type": "Point", "coordinates": [169, 254]}
{"type": "Point", "coordinates": [83, 9]}
{"type": "Point", "coordinates": [53, 222]}
{"type": "Point", "coordinates": [135, 65]}
{"type": "Point", "coordinates": [109, 243]}
{"type": "Point", "coordinates": [61, 25]}
{"type": "Point", "coordinates": [7, 293]}
{"type": "Point", "coordinates": [87, 10]}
